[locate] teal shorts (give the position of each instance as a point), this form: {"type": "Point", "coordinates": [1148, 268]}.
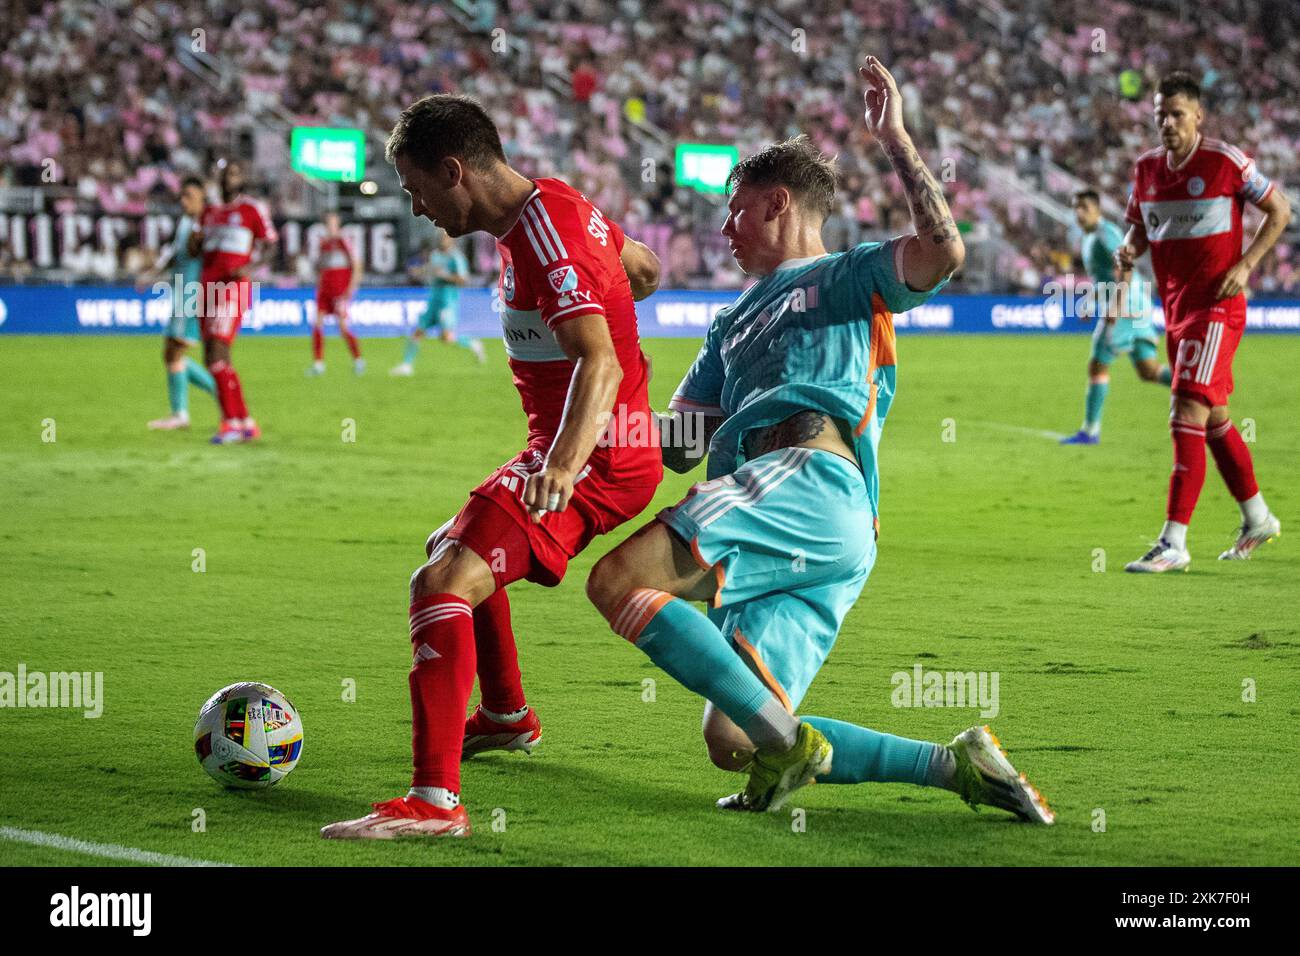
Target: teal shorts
{"type": "Point", "coordinates": [791, 539]}
{"type": "Point", "coordinates": [1111, 340]}
{"type": "Point", "coordinates": [183, 327]}
{"type": "Point", "coordinates": [438, 315]}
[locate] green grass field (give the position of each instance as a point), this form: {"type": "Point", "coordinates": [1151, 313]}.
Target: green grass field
{"type": "Point", "coordinates": [1119, 694]}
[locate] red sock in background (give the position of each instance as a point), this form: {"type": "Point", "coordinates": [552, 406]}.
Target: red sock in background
{"type": "Point", "coordinates": [353, 345]}
{"type": "Point", "coordinates": [499, 682]}
{"type": "Point", "coordinates": [317, 343]}
{"type": "Point", "coordinates": [1189, 470]}
{"type": "Point", "coordinates": [442, 676]}
{"type": "Point", "coordinates": [229, 391]}
{"type": "Point", "coordinates": [1234, 461]}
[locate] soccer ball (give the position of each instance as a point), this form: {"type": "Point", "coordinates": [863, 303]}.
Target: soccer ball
{"type": "Point", "coordinates": [248, 735]}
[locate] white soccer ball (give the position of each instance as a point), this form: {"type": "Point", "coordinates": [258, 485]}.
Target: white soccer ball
{"type": "Point", "coordinates": [248, 735]}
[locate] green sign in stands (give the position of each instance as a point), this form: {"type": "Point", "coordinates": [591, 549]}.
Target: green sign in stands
{"type": "Point", "coordinates": [704, 167]}
{"type": "Point", "coordinates": [325, 152]}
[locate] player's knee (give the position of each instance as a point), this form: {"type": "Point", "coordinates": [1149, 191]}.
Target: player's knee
{"type": "Point", "coordinates": [608, 582]}
{"type": "Point", "coordinates": [430, 578]}
{"type": "Point", "coordinates": [725, 751]}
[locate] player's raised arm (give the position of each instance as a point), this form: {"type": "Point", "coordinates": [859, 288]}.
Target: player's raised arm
{"type": "Point", "coordinates": [586, 342]}
{"type": "Point", "coordinates": [1277, 215]}
{"type": "Point", "coordinates": [641, 266]}
{"type": "Point", "coordinates": [938, 251]}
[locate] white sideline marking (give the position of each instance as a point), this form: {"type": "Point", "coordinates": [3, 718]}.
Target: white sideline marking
{"type": "Point", "coordinates": [1021, 429]}
{"type": "Point", "coordinates": [109, 851]}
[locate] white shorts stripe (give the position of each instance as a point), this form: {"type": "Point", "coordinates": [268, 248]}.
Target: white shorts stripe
{"type": "Point", "coordinates": [714, 499]}
{"type": "Point", "coordinates": [756, 488]}
{"type": "Point", "coordinates": [1210, 353]}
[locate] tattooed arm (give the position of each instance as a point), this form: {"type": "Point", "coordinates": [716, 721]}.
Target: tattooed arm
{"type": "Point", "coordinates": [937, 251]}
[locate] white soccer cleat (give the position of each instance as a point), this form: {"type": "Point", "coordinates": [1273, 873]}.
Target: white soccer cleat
{"type": "Point", "coordinates": [985, 776]}
{"type": "Point", "coordinates": [170, 423]}
{"type": "Point", "coordinates": [359, 366]}
{"type": "Point", "coordinates": [316, 368]}
{"type": "Point", "coordinates": [476, 346]}
{"type": "Point", "coordinates": [1162, 557]}
{"type": "Point", "coordinates": [401, 817]}
{"type": "Point", "coordinates": [1251, 537]}
{"type": "Point", "coordinates": [402, 371]}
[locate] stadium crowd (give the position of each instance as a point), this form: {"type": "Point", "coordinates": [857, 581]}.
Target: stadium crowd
{"type": "Point", "coordinates": [1008, 100]}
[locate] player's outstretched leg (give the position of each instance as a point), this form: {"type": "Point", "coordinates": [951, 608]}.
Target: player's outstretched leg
{"type": "Point", "coordinates": [443, 594]}
{"type": "Point", "coordinates": [1089, 432]}
{"type": "Point", "coordinates": [177, 399]}
{"type": "Point", "coordinates": [317, 366]}
{"type": "Point", "coordinates": [354, 347]}
{"type": "Point", "coordinates": [971, 766]}
{"type": "Point", "coordinates": [684, 642]}
{"type": "Point", "coordinates": [406, 367]}
{"type": "Point", "coordinates": [1258, 524]}
{"type": "Point", "coordinates": [1169, 553]}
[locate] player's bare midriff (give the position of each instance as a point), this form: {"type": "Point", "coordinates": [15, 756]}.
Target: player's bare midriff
{"type": "Point", "coordinates": [806, 429]}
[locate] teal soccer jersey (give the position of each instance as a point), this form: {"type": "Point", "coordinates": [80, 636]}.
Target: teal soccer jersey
{"type": "Point", "coordinates": [444, 294]}
{"type": "Point", "coordinates": [814, 334]}
{"type": "Point", "coordinates": [789, 534]}
{"type": "Point", "coordinates": [185, 279]}
{"type": "Point", "coordinates": [1133, 333]}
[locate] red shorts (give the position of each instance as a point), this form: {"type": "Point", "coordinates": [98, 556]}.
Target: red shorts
{"type": "Point", "coordinates": [332, 302]}
{"type": "Point", "coordinates": [1201, 345]}
{"type": "Point", "coordinates": [496, 525]}
{"type": "Point", "coordinates": [223, 308]}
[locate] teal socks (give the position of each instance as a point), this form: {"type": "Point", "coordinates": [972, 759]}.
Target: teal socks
{"type": "Point", "coordinates": [868, 756]}
{"type": "Point", "coordinates": [1093, 403]}
{"type": "Point", "coordinates": [178, 393]}
{"type": "Point", "coordinates": [691, 649]}
{"type": "Point", "coordinates": [200, 377]}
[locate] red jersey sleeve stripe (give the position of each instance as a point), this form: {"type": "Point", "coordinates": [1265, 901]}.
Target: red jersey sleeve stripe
{"type": "Point", "coordinates": [595, 308]}
{"type": "Point", "coordinates": [544, 255]}
{"type": "Point", "coordinates": [544, 219]}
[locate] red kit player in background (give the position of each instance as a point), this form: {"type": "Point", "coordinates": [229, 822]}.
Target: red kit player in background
{"type": "Point", "coordinates": [340, 274]}
{"type": "Point", "coordinates": [234, 237]}
{"type": "Point", "coordinates": [568, 280]}
{"type": "Point", "coordinates": [1186, 206]}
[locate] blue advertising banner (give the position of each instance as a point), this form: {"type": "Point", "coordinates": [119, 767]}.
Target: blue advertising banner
{"type": "Point", "coordinates": [65, 310]}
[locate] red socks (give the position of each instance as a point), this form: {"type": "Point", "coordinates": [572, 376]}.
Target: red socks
{"type": "Point", "coordinates": [353, 345]}
{"type": "Point", "coordinates": [442, 676]}
{"type": "Point", "coordinates": [1189, 470]}
{"type": "Point", "coordinates": [499, 681]}
{"type": "Point", "coordinates": [317, 343]}
{"type": "Point", "coordinates": [229, 391]}
{"type": "Point", "coordinates": [1233, 458]}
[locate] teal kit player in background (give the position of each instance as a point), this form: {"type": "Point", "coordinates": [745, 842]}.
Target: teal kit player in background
{"type": "Point", "coordinates": [449, 270]}
{"type": "Point", "coordinates": [1122, 312]}
{"type": "Point", "coordinates": [794, 380]}
{"type": "Point", "coordinates": [180, 272]}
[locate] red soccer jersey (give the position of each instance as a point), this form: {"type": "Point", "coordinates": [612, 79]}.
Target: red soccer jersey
{"type": "Point", "coordinates": [560, 260]}
{"type": "Point", "coordinates": [229, 232]}
{"type": "Point", "coordinates": [335, 266]}
{"type": "Point", "coordinates": [1192, 216]}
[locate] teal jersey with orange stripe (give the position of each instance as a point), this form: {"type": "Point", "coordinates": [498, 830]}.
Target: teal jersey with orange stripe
{"type": "Point", "coordinates": [816, 334]}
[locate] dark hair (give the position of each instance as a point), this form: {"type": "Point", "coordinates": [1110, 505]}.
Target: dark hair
{"type": "Point", "coordinates": [442, 125]}
{"type": "Point", "coordinates": [1179, 81]}
{"type": "Point", "coordinates": [194, 181]}
{"type": "Point", "coordinates": [1088, 195]}
{"type": "Point", "coordinates": [797, 165]}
